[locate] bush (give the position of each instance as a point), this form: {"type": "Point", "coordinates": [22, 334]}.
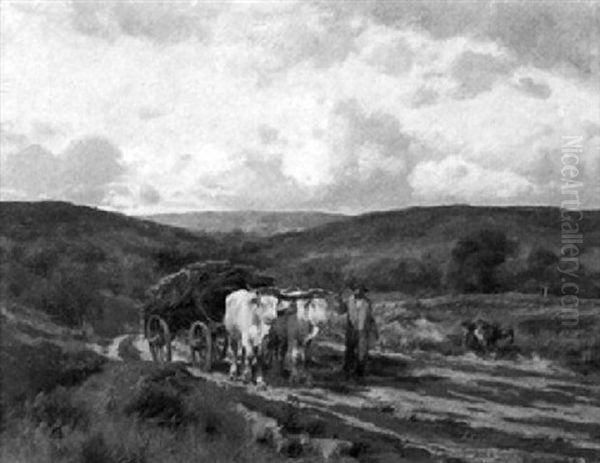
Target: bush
{"type": "Point", "coordinates": [95, 450]}
{"type": "Point", "coordinates": [160, 403]}
{"type": "Point", "coordinates": [161, 397]}
{"type": "Point", "coordinates": [208, 410]}
{"type": "Point", "coordinates": [171, 398]}
{"type": "Point", "coordinates": [28, 370]}
{"type": "Point", "coordinates": [57, 410]}
{"type": "Point", "coordinates": [475, 258]}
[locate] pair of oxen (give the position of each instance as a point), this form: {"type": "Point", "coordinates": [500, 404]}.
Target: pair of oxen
{"type": "Point", "coordinates": [272, 327]}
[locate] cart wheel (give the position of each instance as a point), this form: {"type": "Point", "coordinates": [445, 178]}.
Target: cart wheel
{"type": "Point", "coordinates": [159, 339]}
{"type": "Point", "coordinates": [200, 341]}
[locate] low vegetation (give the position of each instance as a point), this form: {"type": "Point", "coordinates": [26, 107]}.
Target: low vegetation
{"type": "Point", "coordinates": [86, 266]}
{"type": "Point", "coordinates": [89, 267]}
{"type": "Point", "coordinates": [433, 251]}
{"type": "Point", "coordinates": [434, 324]}
{"type": "Point", "coordinates": [165, 416]}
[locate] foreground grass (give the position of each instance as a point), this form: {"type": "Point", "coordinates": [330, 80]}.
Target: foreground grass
{"type": "Point", "coordinates": [132, 413]}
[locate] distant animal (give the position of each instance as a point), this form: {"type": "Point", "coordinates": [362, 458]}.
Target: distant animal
{"type": "Point", "coordinates": [470, 340]}
{"type": "Point", "coordinates": [248, 319]}
{"type": "Point", "coordinates": [298, 323]}
{"type": "Point", "coordinates": [360, 325]}
{"type": "Point", "coordinates": [483, 336]}
{"type": "Point", "coordinates": [491, 335]}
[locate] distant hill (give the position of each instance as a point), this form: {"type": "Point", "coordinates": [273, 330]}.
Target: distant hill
{"type": "Point", "coordinates": [414, 245]}
{"type": "Point", "coordinates": [259, 223]}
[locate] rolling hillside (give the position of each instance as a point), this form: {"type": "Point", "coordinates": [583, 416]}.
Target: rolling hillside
{"type": "Point", "coordinates": [83, 264]}
{"type": "Point", "coordinates": [258, 223]}
{"type": "Point", "coordinates": [417, 242]}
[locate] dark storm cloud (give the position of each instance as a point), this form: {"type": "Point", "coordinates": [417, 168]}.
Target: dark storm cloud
{"type": "Point", "coordinates": [83, 173]}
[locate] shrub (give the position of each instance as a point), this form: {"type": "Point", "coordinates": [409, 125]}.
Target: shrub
{"type": "Point", "coordinates": [160, 403]}
{"type": "Point", "coordinates": [475, 258]}
{"type": "Point", "coordinates": [95, 450]}
{"type": "Point", "coordinates": [161, 397]}
{"type": "Point", "coordinates": [57, 410]}
{"type": "Point", "coordinates": [205, 408]}
{"type": "Point", "coordinates": [28, 370]}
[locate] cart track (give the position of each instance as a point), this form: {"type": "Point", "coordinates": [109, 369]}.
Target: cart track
{"type": "Point", "coordinates": [460, 407]}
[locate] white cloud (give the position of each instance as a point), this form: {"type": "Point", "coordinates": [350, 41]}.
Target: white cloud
{"type": "Point", "coordinates": [433, 180]}
{"type": "Point", "coordinates": [187, 105]}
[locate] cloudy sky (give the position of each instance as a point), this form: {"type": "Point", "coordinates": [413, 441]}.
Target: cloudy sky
{"type": "Point", "coordinates": [341, 106]}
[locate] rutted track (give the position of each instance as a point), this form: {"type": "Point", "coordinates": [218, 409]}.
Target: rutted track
{"type": "Point", "coordinates": [460, 407]}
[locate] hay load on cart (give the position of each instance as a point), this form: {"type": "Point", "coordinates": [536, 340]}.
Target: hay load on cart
{"type": "Point", "coordinates": [193, 300]}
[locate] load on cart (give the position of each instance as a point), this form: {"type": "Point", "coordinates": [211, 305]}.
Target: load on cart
{"type": "Point", "coordinates": [192, 300]}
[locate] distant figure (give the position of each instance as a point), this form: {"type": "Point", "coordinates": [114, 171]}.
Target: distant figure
{"type": "Point", "coordinates": [483, 336]}
{"type": "Point", "coordinates": [359, 326]}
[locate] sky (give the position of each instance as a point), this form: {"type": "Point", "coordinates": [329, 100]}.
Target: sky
{"type": "Point", "coordinates": [346, 106]}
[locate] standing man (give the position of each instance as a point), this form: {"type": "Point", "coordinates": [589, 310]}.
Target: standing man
{"type": "Point", "coordinates": [360, 323]}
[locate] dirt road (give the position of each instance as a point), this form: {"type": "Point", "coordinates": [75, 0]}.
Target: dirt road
{"type": "Point", "coordinates": [464, 408]}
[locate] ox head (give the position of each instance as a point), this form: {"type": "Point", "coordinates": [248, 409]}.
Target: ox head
{"type": "Point", "coordinates": [338, 303]}
{"type": "Point", "coordinates": [267, 302]}
{"type": "Point", "coordinates": [319, 305]}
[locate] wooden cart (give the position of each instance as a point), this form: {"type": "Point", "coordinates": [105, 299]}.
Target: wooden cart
{"type": "Point", "coordinates": [191, 303]}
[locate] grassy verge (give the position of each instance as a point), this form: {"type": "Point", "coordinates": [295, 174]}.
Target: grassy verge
{"type": "Point", "coordinates": [131, 413]}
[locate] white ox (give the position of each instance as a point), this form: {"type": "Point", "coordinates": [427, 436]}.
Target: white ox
{"type": "Point", "coordinates": [248, 319]}
{"type": "Point", "coordinates": [296, 327]}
